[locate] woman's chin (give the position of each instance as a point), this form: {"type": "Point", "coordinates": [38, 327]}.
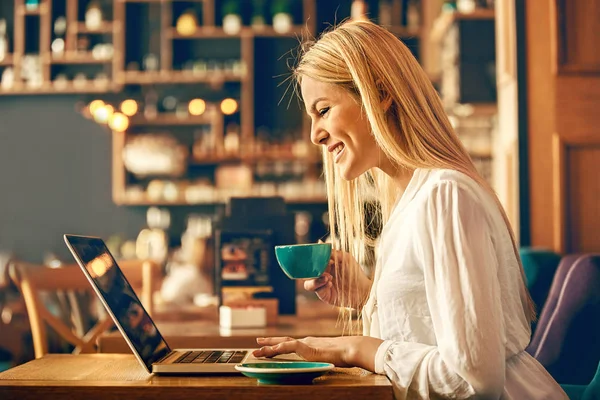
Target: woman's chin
{"type": "Point", "coordinates": [348, 174]}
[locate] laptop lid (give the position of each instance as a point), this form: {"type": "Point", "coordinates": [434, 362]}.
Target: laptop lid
{"type": "Point", "coordinates": [119, 299]}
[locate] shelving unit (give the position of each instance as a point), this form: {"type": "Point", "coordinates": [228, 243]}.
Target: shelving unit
{"type": "Point", "coordinates": [77, 58]}
{"type": "Point", "coordinates": [104, 28]}
{"type": "Point", "coordinates": [37, 50]}
{"type": "Point", "coordinates": [170, 73]}
{"type": "Point", "coordinates": [468, 82]}
{"type": "Point", "coordinates": [136, 28]}
{"type": "Point", "coordinates": [478, 14]}
{"type": "Point", "coordinates": [175, 77]}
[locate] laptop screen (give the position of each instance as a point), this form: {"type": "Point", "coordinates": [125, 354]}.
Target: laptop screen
{"type": "Point", "coordinates": [119, 297]}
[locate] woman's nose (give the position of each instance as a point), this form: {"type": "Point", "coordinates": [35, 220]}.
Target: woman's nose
{"type": "Point", "coordinates": [318, 135]}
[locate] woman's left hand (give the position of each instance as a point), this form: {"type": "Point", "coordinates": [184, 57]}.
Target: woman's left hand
{"type": "Point", "coordinates": [345, 351]}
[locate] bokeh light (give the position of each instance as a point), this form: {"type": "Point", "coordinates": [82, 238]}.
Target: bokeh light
{"type": "Point", "coordinates": [129, 107]}
{"type": "Point", "coordinates": [103, 113]}
{"type": "Point", "coordinates": [197, 107]}
{"type": "Point", "coordinates": [229, 106]}
{"type": "Point", "coordinates": [94, 106]}
{"type": "Point", "coordinates": [118, 122]}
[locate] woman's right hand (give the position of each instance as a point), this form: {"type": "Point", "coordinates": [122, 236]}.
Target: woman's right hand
{"type": "Point", "coordinates": [337, 285]}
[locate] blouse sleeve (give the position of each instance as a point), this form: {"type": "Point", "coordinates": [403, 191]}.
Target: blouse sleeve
{"type": "Point", "coordinates": [463, 294]}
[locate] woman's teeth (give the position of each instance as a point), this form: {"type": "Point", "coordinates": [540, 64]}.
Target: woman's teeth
{"type": "Point", "coordinates": [337, 151]}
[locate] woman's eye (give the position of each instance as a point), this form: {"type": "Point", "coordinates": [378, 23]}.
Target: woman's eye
{"type": "Point", "coordinates": [323, 111]}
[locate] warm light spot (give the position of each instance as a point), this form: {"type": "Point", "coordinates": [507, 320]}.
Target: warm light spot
{"type": "Point", "coordinates": [118, 122]}
{"type": "Point", "coordinates": [187, 23]}
{"type": "Point", "coordinates": [95, 105]}
{"type": "Point", "coordinates": [197, 107]}
{"type": "Point", "coordinates": [129, 107]}
{"type": "Point", "coordinates": [102, 114]}
{"type": "Point", "coordinates": [99, 265]}
{"type": "Point", "coordinates": [229, 106]}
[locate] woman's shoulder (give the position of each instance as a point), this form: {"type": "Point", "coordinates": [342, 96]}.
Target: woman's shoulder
{"type": "Point", "coordinates": [436, 178]}
{"type": "Point", "coordinates": [445, 187]}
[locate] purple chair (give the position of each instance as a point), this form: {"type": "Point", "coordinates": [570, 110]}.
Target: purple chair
{"type": "Point", "coordinates": [566, 339]}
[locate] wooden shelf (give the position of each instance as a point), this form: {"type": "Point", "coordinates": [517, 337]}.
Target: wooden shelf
{"type": "Point", "coordinates": [78, 58]}
{"type": "Point", "coordinates": [49, 89]}
{"type": "Point", "coordinates": [41, 9]}
{"type": "Point", "coordinates": [268, 31]}
{"type": "Point", "coordinates": [481, 13]}
{"type": "Point", "coordinates": [142, 1]}
{"type": "Point", "coordinates": [146, 202]}
{"type": "Point", "coordinates": [160, 1]}
{"type": "Point", "coordinates": [216, 160]}
{"type": "Point", "coordinates": [253, 158]}
{"type": "Point", "coordinates": [404, 32]}
{"type": "Point", "coordinates": [8, 60]}
{"type": "Point", "coordinates": [105, 28]}
{"type": "Point", "coordinates": [166, 119]}
{"type": "Point", "coordinates": [283, 156]}
{"type": "Point", "coordinates": [205, 32]}
{"type": "Point", "coordinates": [473, 110]}
{"type": "Point", "coordinates": [174, 77]}
{"type": "Point", "coordinates": [480, 155]}
{"type": "Point", "coordinates": [306, 200]}
{"type": "Point", "coordinates": [484, 108]}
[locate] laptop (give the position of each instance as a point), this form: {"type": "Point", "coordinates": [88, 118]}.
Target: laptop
{"type": "Point", "coordinates": [136, 326]}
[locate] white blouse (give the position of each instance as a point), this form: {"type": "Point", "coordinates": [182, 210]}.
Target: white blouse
{"type": "Point", "coordinates": [447, 298]}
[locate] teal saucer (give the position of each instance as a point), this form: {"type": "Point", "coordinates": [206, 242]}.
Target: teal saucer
{"type": "Point", "coordinates": [284, 373]}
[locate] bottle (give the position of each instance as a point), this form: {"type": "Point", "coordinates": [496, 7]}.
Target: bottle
{"type": "Point", "coordinates": [413, 17]}
{"type": "Point", "coordinates": [282, 16]}
{"type": "Point", "coordinates": [151, 105]}
{"type": "Point", "coordinates": [3, 40]}
{"type": "Point", "coordinates": [358, 10]}
{"type": "Point", "coordinates": [93, 16]}
{"type": "Point", "coordinates": [187, 23]}
{"type": "Point", "coordinates": [232, 19]}
{"type": "Point", "coordinates": [58, 44]}
{"type": "Point", "coordinates": [258, 14]}
{"type": "Point", "coordinates": [466, 6]}
{"type": "Point", "coordinates": [231, 141]}
{"type": "Point", "coordinates": [31, 5]}
{"type": "Point", "coordinates": [8, 79]}
{"type": "Point", "coordinates": [385, 13]}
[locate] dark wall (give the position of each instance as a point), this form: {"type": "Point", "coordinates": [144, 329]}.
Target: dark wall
{"type": "Point", "coordinates": [55, 177]}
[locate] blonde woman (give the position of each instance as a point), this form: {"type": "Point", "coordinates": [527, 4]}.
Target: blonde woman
{"type": "Point", "coordinates": [447, 312]}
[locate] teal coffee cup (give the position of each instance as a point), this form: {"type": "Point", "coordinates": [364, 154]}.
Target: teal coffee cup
{"type": "Point", "coordinates": [303, 261]}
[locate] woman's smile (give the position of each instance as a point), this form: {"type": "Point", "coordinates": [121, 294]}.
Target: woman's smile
{"type": "Point", "coordinates": [338, 151]}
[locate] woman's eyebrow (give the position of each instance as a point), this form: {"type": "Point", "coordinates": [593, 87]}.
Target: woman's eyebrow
{"type": "Point", "coordinates": [313, 107]}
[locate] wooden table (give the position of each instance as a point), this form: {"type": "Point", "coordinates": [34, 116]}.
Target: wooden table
{"type": "Point", "coordinates": [116, 376]}
{"type": "Point", "coordinates": [316, 319]}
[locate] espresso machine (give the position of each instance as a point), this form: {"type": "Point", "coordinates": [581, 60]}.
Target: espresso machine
{"type": "Point", "coordinates": [244, 239]}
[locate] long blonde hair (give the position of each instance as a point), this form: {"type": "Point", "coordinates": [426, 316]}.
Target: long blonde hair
{"type": "Point", "coordinates": [377, 68]}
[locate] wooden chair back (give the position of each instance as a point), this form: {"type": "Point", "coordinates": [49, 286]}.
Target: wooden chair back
{"type": "Point", "coordinates": [34, 280]}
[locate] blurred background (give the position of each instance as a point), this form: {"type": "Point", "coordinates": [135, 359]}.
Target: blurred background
{"type": "Point", "coordinates": [171, 129]}
{"type": "Point", "coordinates": [112, 107]}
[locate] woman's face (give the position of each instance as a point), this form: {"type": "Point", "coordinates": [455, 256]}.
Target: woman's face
{"type": "Point", "coordinates": [339, 124]}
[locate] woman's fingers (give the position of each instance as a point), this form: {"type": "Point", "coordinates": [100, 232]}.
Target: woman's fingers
{"type": "Point", "coordinates": [284, 347]}
{"type": "Point", "coordinates": [313, 285]}
{"type": "Point", "coordinates": [270, 341]}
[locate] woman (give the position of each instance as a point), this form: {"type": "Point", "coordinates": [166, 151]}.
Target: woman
{"type": "Point", "coordinates": [448, 313]}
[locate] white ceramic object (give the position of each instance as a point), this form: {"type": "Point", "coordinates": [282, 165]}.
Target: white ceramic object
{"type": "Point", "coordinates": [250, 317]}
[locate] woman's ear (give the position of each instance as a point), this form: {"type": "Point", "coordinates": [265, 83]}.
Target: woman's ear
{"type": "Point", "coordinates": [387, 103]}
{"type": "Point", "coordinates": [387, 100]}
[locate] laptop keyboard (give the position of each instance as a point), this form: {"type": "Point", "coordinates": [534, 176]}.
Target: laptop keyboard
{"type": "Point", "coordinates": [211, 357]}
